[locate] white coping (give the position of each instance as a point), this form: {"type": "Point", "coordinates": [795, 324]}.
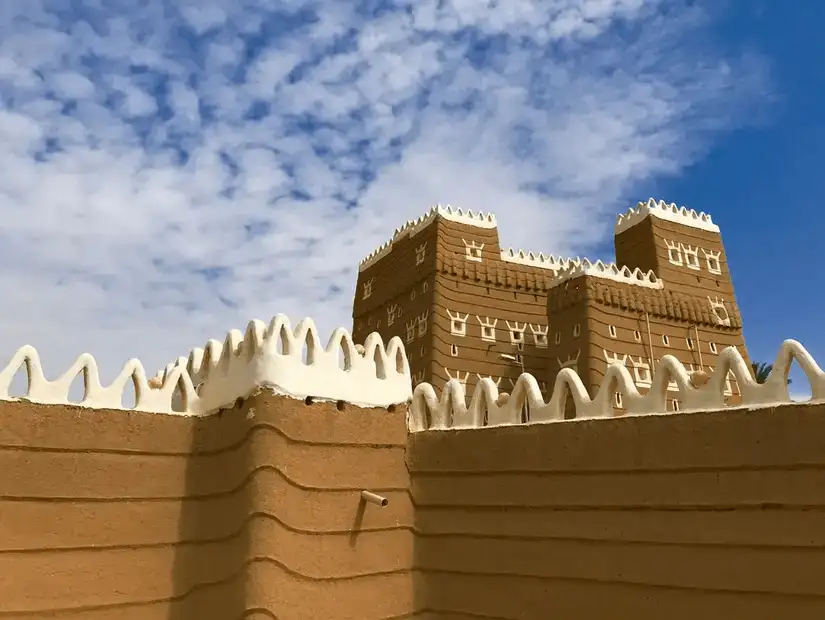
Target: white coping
{"type": "Point", "coordinates": [220, 373]}
{"type": "Point", "coordinates": [607, 271]}
{"type": "Point", "coordinates": [664, 211]}
{"type": "Point", "coordinates": [428, 412]}
{"type": "Point", "coordinates": [413, 227]}
{"type": "Point", "coordinates": [545, 261]}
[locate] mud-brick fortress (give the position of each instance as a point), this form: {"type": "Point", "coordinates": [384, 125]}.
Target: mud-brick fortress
{"type": "Point", "coordinates": [273, 474]}
{"type": "Point", "coordinates": [468, 309]}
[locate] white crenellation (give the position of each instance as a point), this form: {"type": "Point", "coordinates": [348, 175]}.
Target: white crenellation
{"type": "Point", "coordinates": [488, 407]}
{"type": "Point", "coordinates": [532, 259]}
{"type": "Point", "coordinates": [664, 211]}
{"type": "Point", "coordinates": [413, 227]}
{"type": "Point", "coordinates": [607, 271]}
{"type": "Point", "coordinates": [289, 362]}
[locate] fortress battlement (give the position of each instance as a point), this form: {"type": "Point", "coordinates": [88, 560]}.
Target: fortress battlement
{"type": "Point", "coordinates": [538, 259]}
{"type": "Point", "coordinates": [607, 271]}
{"type": "Point", "coordinates": [669, 212]}
{"type": "Point", "coordinates": [413, 227]}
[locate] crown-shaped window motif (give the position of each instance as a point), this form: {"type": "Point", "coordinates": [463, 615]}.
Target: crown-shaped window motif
{"type": "Point", "coordinates": [674, 252]}
{"type": "Point", "coordinates": [641, 372]}
{"type": "Point", "coordinates": [572, 361]}
{"type": "Point", "coordinates": [367, 290]}
{"type": "Point", "coordinates": [393, 312]}
{"type": "Point", "coordinates": [418, 377]}
{"type": "Point", "coordinates": [462, 379]}
{"type": "Point", "coordinates": [614, 358]}
{"type": "Point", "coordinates": [458, 323]}
{"type": "Point", "coordinates": [712, 258]}
{"type": "Point", "coordinates": [516, 332]}
{"type": "Point", "coordinates": [719, 312]}
{"type": "Point", "coordinates": [472, 250]}
{"type": "Point", "coordinates": [423, 322]}
{"type": "Point", "coordinates": [420, 253]}
{"type": "Point", "coordinates": [411, 325]}
{"type": "Point", "coordinates": [691, 254]}
{"type": "Point", "coordinates": [488, 328]}
{"type": "Point", "coordinates": [540, 335]}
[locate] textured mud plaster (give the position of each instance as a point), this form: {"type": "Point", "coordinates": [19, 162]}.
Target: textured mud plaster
{"type": "Point", "coordinates": [711, 515]}
{"type": "Point", "coordinates": [246, 513]}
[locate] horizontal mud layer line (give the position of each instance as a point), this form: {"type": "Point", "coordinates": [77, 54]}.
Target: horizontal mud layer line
{"type": "Point", "coordinates": [417, 473]}
{"type": "Point", "coordinates": [236, 575]}
{"type": "Point", "coordinates": [802, 547]}
{"type": "Point", "coordinates": [237, 533]}
{"type": "Point", "coordinates": [65, 426]}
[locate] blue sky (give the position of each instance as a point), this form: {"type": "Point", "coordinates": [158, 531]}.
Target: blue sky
{"type": "Point", "coordinates": [173, 169]}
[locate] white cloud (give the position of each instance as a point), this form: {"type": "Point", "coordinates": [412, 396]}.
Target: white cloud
{"type": "Point", "coordinates": [158, 190]}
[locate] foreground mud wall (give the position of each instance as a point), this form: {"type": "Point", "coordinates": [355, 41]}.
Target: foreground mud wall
{"type": "Point", "coordinates": [252, 513]}
{"type": "Point", "coordinates": [716, 515]}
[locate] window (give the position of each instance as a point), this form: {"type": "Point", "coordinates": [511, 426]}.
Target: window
{"type": "Point", "coordinates": [368, 288]}
{"type": "Point", "coordinates": [421, 351]}
{"type": "Point", "coordinates": [689, 342]}
{"type": "Point", "coordinates": [618, 399]}
{"type": "Point", "coordinates": [420, 253]}
{"type": "Point", "coordinates": [691, 257]}
{"type": "Point", "coordinates": [454, 350]}
{"type": "Point", "coordinates": [516, 332]}
{"type": "Point", "coordinates": [539, 335]}
{"type": "Point", "coordinates": [412, 295]}
{"type": "Point", "coordinates": [577, 330]}
{"type": "Point", "coordinates": [674, 252]}
{"type": "Point", "coordinates": [712, 346]}
{"type": "Point", "coordinates": [422, 322]}
{"type": "Point", "coordinates": [472, 251]}
{"type": "Point", "coordinates": [557, 339]}
{"type": "Point", "coordinates": [713, 262]}
{"type": "Point", "coordinates": [675, 404]}
{"type": "Point", "coordinates": [612, 330]}
{"type": "Point", "coordinates": [458, 323]}
{"type": "Point", "coordinates": [637, 335]}
{"type": "Point", "coordinates": [488, 333]}
{"type": "Point", "coordinates": [393, 312]}
{"type": "Point", "coordinates": [425, 287]}
{"type": "Point", "coordinates": [411, 325]}
{"type": "Point", "coordinates": [665, 340]}
{"type": "Point", "coordinates": [378, 324]}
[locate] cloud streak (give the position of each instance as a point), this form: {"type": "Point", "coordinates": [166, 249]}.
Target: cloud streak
{"type": "Point", "coordinates": [175, 169]}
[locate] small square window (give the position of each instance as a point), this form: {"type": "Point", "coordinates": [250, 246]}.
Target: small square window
{"type": "Point", "coordinates": [618, 397]}
{"type": "Point", "coordinates": [612, 330]}
{"type": "Point", "coordinates": [665, 340]}
{"type": "Point", "coordinates": [454, 350]}
{"type": "Point", "coordinates": [712, 346]}
{"type": "Point", "coordinates": [488, 333]}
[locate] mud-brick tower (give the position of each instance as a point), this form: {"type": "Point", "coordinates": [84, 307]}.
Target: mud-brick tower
{"type": "Point", "coordinates": [670, 292]}
{"type": "Point", "coordinates": [465, 308]}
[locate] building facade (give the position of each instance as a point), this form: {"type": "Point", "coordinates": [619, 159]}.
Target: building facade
{"type": "Point", "coordinates": [467, 309]}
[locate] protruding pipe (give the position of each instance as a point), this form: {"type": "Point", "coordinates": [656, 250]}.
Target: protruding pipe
{"type": "Point", "coordinates": [372, 498]}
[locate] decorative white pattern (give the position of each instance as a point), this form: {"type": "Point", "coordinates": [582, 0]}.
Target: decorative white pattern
{"type": "Point", "coordinates": [427, 411]}
{"type": "Point", "coordinates": [413, 227]}
{"type": "Point", "coordinates": [234, 368]}
{"type": "Point", "coordinates": [664, 211]}
{"type": "Point", "coordinates": [553, 263]}
{"type": "Point", "coordinates": [607, 271]}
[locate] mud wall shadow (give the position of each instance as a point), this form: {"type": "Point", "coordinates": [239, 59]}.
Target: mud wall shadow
{"type": "Point", "coordinates": [209, 572]}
